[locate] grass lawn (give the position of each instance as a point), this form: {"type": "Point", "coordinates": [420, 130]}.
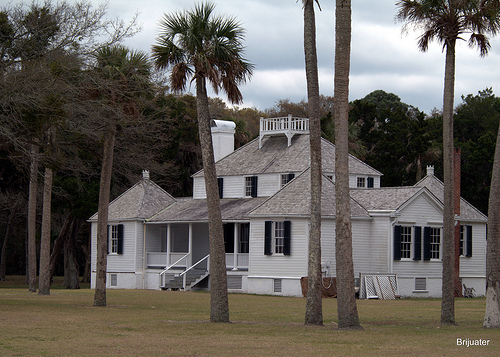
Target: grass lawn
{"type": "Point", "coordinates": [161, 323]}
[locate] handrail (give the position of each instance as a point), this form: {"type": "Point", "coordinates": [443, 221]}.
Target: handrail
{"type": "Point", "coordinates": [183, 274]}
{"type": "Point", "coordinates": [171, 265]}
{"type": "Point", "coordinates": [195, 264]}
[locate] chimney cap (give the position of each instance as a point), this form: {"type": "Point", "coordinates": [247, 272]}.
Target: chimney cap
{"type": "Point", "coordinates": [430, 170]}
{"type": "Point", "coordinates": [145, 174]}
{"type": "Point", "coordinates": [222, 124]}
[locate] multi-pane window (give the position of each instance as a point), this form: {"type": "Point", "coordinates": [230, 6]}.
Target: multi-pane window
{"type": "Point", "coordinates": [406, 242]}
{"type": "Point", "coordinates": [248, 186]}
{"type": "Point", "coordinates": [286, 178]}
{"type": "Point", "coordinates": [114, 239]}
{"type": "Point", "coordinates": [435, 243]}
{"type": "Point", "coordinates": [360, 182]}
{"type": "Point", "coordinates": [244, 237]}
{"type": "Point", "coordinates": [462, 239]}
{"type": "Point", "coordinates": [279, 237]}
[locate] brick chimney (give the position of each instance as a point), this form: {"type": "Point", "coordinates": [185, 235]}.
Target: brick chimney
{"type": "Point", "coordinates": [222, 137]}
{"type": "Point", "coordinates": [457, 155]}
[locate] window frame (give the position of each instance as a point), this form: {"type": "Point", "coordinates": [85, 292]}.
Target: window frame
{"type": "Point", "coordinates": [113, 239]}
{"type": "Point", "coordinates": [435, 254]}
{"type": "Point", "coordinates": [248, 186]}
{"type": "Point", "coordinates": [360, 182]}
{"type": "Point", "coordinates": [279, 238]}
{"type": "Point", "coordinates": [406, 246]}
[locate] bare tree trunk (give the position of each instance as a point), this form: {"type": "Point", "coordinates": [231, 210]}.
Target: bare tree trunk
{"type": "Point", "coordinates": [219, 305]}
{"type": "Point", "coordinates": [448, 290]}
{"type": "Point", "coordinates": [346, 302]}
{"type": "Point", "coordinates": [44, 278]}
{"type": "Point", "coordinates": [102, 220]}
{"type": "Point", "coordinates": [3, 255]}
{"type": "Point", "coordinates": [31, 273]}
{"type": "Point", "coordinates": [59, 242]}
{"type": "Point", "coordinates": [492, 312]}
{"type": "Point", "coordinates": [71, 268]}
{"type": "Point", "coordinates": [314, 304]}
{"type": "Point", "coordinates": [86, 271]}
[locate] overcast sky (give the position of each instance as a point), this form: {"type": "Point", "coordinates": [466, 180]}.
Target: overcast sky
{"type": "Point", "coordinates": [382, 57]}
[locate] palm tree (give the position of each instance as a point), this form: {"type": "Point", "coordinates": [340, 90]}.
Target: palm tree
{"type": "Point", "coordinates": [314, 305]}
{"type": "Point", "coordinates": [197, 44]}
{"type": "Point", "coordinates": [123, 76]}
{"type": "Point", "coordinates": [446, 21]}
{"type": "Point", "coordinates": [346, 302]}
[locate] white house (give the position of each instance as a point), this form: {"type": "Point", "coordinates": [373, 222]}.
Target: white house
{"type": "Point", "coordinates": [157, 241]}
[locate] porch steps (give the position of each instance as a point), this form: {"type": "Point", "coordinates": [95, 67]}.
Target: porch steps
{"type": "Point", "coordinates": [193, 277]}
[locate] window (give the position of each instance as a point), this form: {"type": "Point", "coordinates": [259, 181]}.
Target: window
{"type": "Point", "coordinates": [466, 241]}
{"type": "Point", "coordinates": [277, 238]}
{"type": "Point", "coordinates": [406, 242]}
{"type": "Point", "coordinates": [248, 186]}
{"type": "Point", "coordinates": [251, 186]}
{"type": "Point", "coordinates": [462, 240]}
{"type": "Point", "coordinates": [115, 239]}
{"type": "Point", "coordinates": [244, 237]}
{"type": "Point", "coordinates": [330, 177]}
{"type": "Point", "coordinates": [435, 243]}
{"type": "Point", "coordinates": [360, 182]}
{"type": "Point", "coordinates": [286, 178]}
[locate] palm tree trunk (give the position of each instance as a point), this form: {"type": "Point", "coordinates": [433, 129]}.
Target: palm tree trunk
{"type": "Point", "coordinates": [102, 219]}
{"type": "Point", "coordinates": [346, 303]}
{"type": "Point", "coordinates": [219, 306]}
{"type": "Point", "coordinates": [314, 304]}
{"type": "Point", "coordinates": [44, 278]}
{"type": "Point", "coordinates": [492, 312]}
{"type": "Point", "coordinates": [32, 219]}
{"type": "Point", "coordinates": [448, 289]}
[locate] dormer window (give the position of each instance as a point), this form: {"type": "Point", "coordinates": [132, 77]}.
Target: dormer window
{"type": "Point", "coordinates": [251, 186]}
{"type": "Point", "coordinates": [286, 178]}
{"type": "Point", "coordinates": [361, 182]}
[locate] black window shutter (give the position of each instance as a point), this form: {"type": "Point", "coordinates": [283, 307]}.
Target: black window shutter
{"type": "Point", "coordinates": [107, 237]}
{"type": "Point", "coordinates": [287, 240]}
{"type": "Point", "coordinates": [268, 238]}
{"type": "Point", "coordinates": [229, 237]}
{"type": "Point", "coordinates": [120, 239]}
{"type": "Point", "coordinates": [370, 182]}
{"type": "Point", "coordinates": [254, 186]}
{"type": "Point", "coordinates": [469, 241]}
{"type": "Point", "coordinates": [427, 243]}
{"type": "Point", "coordinates": [417, 252]}
{"type": "Point", "coordinates": [220, 183]}
{"type": "Point", "coordinates": [397, 242]}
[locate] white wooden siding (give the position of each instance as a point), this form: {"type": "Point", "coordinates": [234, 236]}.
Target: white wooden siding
{"type": "Point", "coordinates": [199, 187]}
{"type": "Point", "coordinates": [294, 265]}
{"type": "Point", "coordinates": [124, 262]}
{"type": "Point", "coordinates": [475, 266]}
{"type": "Point", "coordinates": [420, 212]}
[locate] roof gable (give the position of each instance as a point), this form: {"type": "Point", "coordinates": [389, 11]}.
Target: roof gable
{"type": "Point", "coordinates": [436, 186]}
{"type": "Point", "coordinates": [141, 201]}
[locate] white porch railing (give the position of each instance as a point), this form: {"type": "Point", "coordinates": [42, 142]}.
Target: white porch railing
{"type": "Point", "coordinates": [184, 273]}
{"type": "Point", "coordinates": [241, 260]}
{"type": "Point", "coordinates": [159, 259]}
{"type": "Point", "coordinates": [288, 126]}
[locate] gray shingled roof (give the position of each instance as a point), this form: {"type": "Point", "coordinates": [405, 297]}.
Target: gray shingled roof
{"type": "Point", "coordinates": [436, 186]}
{"type": "Point", "coordinates": [195, 210]}
{"type": "Point", "coordinates": [294, 200]}
{"type": "Point", "coordinates": [384, 198]}
{"type": "Point", "coordinates": [142, 200]}
{"type": "Point", "coordinates": [276, 156]}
